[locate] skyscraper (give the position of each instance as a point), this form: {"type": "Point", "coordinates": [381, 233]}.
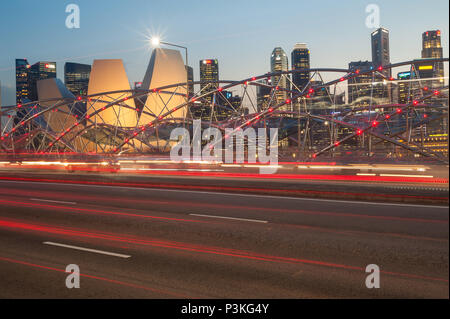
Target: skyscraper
{"type": "Point", "coordinates": [263, 94]}
{"type": "Point", "coordinates": [279, 63]}
{"type": "Point", "coordinates": [209, 81]}
{"type": "Point", "coordinates": [404, 88]}
{"type": "Point", "coordinates": [39, 71]}
{"type": "Point", "coordinates": [426, 72]}
{"type": "Point", "coordinates": [380, 50]}
{"type": "Point", "coordinates": [431, 48]}
{"type": "Point", "coordinates": [22, 89]}
{"type": "Point", "coordinates": [227, 104]}
{"type": "Point", "coordinates": [209, 73]}
{"type": "Point", "coordinates": [76, 77]}
{"type": "Point", "coordinates": [300, 60]}
{"type": "Point", "coordinates": [359, 88]}
{"type": "Point", "coordinates": [190, 78]}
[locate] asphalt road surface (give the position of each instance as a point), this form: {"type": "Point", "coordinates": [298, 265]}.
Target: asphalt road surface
{"type": "Point", "coordinates": [157, 243]}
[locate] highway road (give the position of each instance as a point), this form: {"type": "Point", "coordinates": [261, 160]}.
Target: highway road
{"type": "Point", "coordinates": [134, 242]}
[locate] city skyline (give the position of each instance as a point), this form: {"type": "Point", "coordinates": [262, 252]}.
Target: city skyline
{"type": "Point", "coordinates": [221, 46]}
{"type": "Point", "coordinates": [224, 153]}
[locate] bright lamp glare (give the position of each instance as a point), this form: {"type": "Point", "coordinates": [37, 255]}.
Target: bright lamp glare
{"type": "Point", "coordinates": [155, 41]}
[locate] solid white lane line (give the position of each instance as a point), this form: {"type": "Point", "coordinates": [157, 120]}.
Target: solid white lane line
{"type": "Point", "coordinates": [52, 201]}
{"type": "Point", "coordinates": [403, 175]}
{"type": "Point", "coordinates": [171, 169]}
{"type": "Point", "coordinates": [234, 194]}
{"type": "Point", "coordinates": [87, 249]}
{"type": "Point", "coordinates": [232, 218]}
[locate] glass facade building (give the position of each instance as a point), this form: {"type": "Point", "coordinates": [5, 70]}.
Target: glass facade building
{"type": "Point", "coordinates": [39, 71]}
{"type": "Point", "coordinates": [209, 81]}
{"type": "Point", "coordinates": [209, 73]}
{"type": "Point", "coordinates": [300, 60]}
{"type": "Point", "coordinates": [76, 77]}
{"type": "Point", "coordinates": [279, 63]}
{"type": "Point", "coordinates": [380, 49]}
{"type": "Point", "coordinates": [359, 88]}
{"type": "Point", "coordinates": [263, 94]}
{"type": "Point", "coordinates": [190, 77]}
{"type": "Point", "coordinates": [431, 48]}
{"type": "Point", "coordinates": [404, 89]}
{"type": "Point", "coordinates": [22, 89]}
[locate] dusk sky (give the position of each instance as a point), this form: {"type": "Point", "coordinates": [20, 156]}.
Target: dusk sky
{"type": "Point", "coordinates": [240, 34]}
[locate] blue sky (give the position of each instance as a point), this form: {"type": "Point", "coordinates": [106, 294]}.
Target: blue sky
{"type": "Point", "coordinates": [241, 34]}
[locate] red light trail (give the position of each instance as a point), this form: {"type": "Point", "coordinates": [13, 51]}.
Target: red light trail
{"type": "Point", "coordinates": [195, 248]}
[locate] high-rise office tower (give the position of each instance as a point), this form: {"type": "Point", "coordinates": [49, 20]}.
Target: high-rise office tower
{"type": "Point", "coordinates": [227, 104]}
{"type": "Point", "coordinates": [209, 73]}
{"type": "Point", "coordinates": [209, 81]}
{"type": "Point", "coordinates": [427, 73]}
{"type": "Point", "coordinates": [190, 78]}
{"type": "Point", "coordinates": [300, 60]}
{"type": "Point", "coordinates": [39, 71]}
{"type": "Point", "coordinates": [263, 94]}
{"type": "Point", "coordinates": [359, 88]}
{"type": "Point", "coordinates": [431, 48]}
{"type": "Point", "coordinates": [404, 88]}
{"type": "Point", "coordinates": [279, 63]}
{"type": "Point", "coordinates": [380, 49]}
{"type": "Point", "coordinates": [22, 90]}
{"type": "Point", "coordinates": [76, 77]}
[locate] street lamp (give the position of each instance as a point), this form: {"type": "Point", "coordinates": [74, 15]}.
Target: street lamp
{"type": "Point", "coordinates": [156, 42]}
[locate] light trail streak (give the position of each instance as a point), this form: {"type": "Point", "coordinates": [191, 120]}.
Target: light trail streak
{"type": "Point", "coordinates": [197, 248]}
